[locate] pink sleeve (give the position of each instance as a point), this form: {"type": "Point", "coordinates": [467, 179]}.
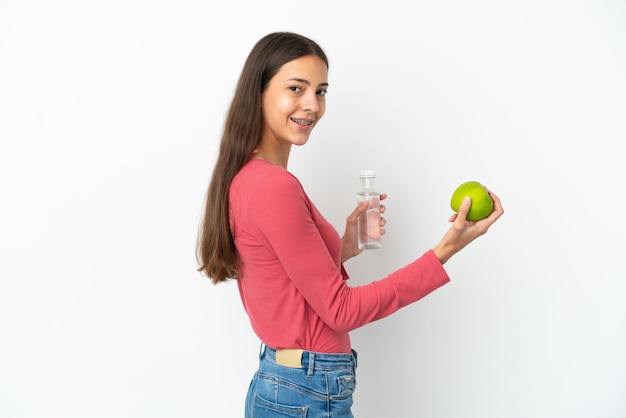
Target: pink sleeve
{"type": "Point", "coordinates": [284, 218]}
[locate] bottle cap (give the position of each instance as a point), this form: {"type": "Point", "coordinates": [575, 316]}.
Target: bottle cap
{"type": "Point", "coordinates": [367, 173]}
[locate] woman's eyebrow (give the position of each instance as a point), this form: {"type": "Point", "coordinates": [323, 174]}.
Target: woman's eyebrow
{"type": "Point", "coordinates": [307, 82]}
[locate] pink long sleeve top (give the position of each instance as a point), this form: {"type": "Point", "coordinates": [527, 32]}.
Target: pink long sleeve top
{"type": "Point", "coordinates": [292, 282]}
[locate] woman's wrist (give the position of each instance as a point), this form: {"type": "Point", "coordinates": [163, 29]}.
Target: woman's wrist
{"type": "Point", "coordinates": [443, 252]}
{"type": "Point", "coordinates": [348, 250]}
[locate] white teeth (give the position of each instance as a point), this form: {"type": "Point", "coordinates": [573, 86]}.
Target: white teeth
{"type": "Point", "coordinates": [302, 122]}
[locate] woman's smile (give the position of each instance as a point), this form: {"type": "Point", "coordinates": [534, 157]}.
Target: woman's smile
{"type": "Point", "coordinates": [303, 122]}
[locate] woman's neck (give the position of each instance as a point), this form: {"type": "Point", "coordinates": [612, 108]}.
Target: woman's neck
{"type": "Point", "coordinates": [273, 154]}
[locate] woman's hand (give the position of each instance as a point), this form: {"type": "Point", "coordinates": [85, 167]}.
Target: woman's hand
{"type": "Point", "coordinates": [463, 232]}
{"type": "Point", "coordinates": [350, 239]}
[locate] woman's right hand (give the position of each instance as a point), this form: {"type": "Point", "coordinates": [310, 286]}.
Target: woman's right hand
{"type": "Point", "coordinates": [350, 239]}
{"type": "Point", "coordinates": [463, 231]}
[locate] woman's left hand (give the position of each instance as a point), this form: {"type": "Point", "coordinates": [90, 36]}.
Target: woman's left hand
{"type": "Point", "coordinates": [350, 239]}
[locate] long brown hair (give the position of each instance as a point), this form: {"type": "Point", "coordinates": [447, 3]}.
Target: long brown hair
{"type": "Point", "coordinates": [216, 252]}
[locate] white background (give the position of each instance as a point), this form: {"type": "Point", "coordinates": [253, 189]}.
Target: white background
{"type": "Point", "coordinates": [110, 117]}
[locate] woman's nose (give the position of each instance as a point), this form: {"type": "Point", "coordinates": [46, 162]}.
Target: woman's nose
{"type": "Point", "coordinates": [309, 102]}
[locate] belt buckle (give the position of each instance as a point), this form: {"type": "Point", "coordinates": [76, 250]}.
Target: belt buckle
{"type": "Point", "coordinates": [289, 357]}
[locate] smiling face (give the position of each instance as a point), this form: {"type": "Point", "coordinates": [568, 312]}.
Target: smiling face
{"type": "Point", "coordinates": [294, 102]}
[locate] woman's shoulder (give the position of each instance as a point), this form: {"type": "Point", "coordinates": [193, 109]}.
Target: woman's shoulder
{"type": "Point", "coordinates": [264, 176]}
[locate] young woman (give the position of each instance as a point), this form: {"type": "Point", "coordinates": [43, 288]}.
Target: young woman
{"type": "Point", "coordinates": [261, 229]}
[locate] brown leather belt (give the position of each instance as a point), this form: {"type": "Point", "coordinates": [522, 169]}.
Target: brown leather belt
{"type": "Point", "coordinates": [289, 357]}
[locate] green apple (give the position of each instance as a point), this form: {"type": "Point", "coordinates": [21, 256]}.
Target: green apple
{"type": "Point", "coordinates": [482, 204]}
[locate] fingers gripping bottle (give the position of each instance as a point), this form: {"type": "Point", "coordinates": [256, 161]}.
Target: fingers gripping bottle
{"type": "Point", "coordinates": [369, 222]}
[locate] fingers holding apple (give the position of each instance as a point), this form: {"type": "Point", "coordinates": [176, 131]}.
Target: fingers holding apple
{"type": "Point", "coordinates": [468, 225]}
{"type": "Point", "coordinates": [481, 205]}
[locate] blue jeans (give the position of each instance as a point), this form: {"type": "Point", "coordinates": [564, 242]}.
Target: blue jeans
{"type": "Point", "coordinates": [322, 388]}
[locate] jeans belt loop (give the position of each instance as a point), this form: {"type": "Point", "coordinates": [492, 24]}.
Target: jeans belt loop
{"type": "Point", "coordinates": [311, 364]}
{"type": "Point", "coordinates": [289, 357]}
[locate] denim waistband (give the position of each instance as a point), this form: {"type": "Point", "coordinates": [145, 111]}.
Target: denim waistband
{"type": "Point", "coordinates": [318, 361]}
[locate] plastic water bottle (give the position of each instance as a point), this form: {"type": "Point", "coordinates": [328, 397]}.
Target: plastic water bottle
{"type": "Point", "coordinates": [369, 222]}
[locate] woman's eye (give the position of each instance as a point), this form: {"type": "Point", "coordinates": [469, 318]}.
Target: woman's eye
{"type": "Point", "coordinates": [322, 92]}
{"type": "Point", "coordinates": [295, 89]}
